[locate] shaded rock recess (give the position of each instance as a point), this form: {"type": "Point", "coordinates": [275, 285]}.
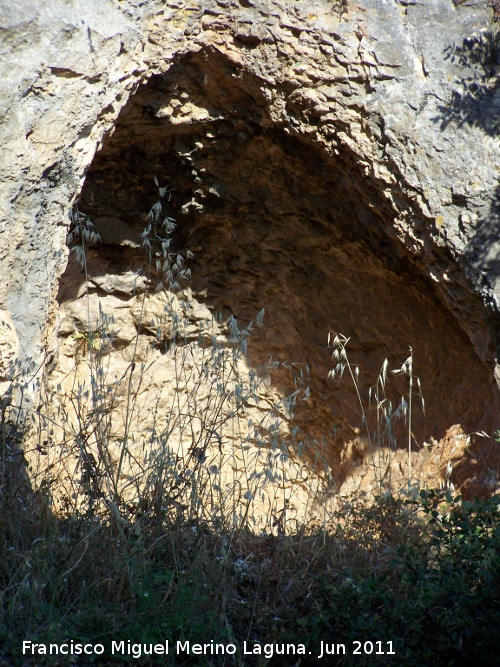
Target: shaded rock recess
{"type": "Point", "coordinates": [334, 164]}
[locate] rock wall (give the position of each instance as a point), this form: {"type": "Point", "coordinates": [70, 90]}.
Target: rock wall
{"type": "Point", "coordinates": [334, 164]}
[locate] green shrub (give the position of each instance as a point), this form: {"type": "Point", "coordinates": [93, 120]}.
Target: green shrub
{"type": "Point", "coordinates": [437, 599]}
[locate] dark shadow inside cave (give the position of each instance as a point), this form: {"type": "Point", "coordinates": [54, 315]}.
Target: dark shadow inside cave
{"type": "Point", "coordinates": [277, 222]}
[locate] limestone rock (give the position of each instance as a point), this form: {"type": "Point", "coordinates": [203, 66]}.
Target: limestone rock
{"type": "Point", "coordinates": [336, 165]}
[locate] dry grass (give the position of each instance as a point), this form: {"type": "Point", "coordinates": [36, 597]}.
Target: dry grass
{"type": "Point", "coordinates": [160, 529]}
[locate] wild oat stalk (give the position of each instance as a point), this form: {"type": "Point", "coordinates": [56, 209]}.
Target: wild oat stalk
{"type": "Point", "coordinates": [342, 362]}
{"type": "Point", "coordinates": [383, 405]}
{"type": "Point", "coordinates": [201, 457]}
{"type": "Point", "coordinates": [407, 406]}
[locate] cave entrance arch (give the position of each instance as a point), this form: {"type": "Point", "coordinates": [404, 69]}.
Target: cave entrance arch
{"type": "Point", "coordinates": [277, 221]}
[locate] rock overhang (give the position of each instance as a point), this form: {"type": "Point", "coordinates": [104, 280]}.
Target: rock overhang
{"type": "Point", "coordinates": [358, 94]}
{"type": "Point", "coordinates": [282, 223]}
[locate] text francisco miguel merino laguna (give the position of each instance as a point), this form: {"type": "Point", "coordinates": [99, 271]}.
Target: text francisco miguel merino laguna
{"type": "Point", "coordinates": [137, 650]}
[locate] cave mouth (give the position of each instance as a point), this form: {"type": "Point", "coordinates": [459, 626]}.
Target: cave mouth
{"type": "Point", "coordinates": [277, 222]}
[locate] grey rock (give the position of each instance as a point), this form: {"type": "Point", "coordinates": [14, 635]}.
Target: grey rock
{"type": "Point", "coordinates": [385, 113]}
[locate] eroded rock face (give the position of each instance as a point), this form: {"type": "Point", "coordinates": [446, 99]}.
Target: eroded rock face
{"type": "Point", "coordinates": [281, 225]}
{"type": "Point", "coordinates": [334, 165]}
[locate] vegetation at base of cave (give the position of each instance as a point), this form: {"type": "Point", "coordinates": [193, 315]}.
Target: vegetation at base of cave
{"type": "Point", "coordinates": [420, 570]}
{"type": "Point", "coordinates": [410, 578]}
